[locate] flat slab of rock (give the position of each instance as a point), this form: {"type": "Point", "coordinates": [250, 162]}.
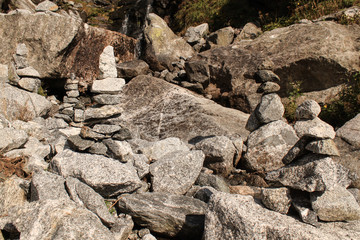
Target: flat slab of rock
{"type": "Point", "coordinates": [107, 99]}
{"type": "Point", "coordinates": [315, 128]}
{"type": "Point", "coordinates": [132, 69]}
{"type": "Point", "coordinates": [230, 216]}
{"type": "Point", "coordinates": [159, 109]}
{"type": "Point", "coordinates": [102, 112]}
{"type": "Point", "coordinates": [324, 146]}
{"type": "Point", "coordinates": [268, 145]}
{"type": "Point", "coordinates": [313, 173]}
{"type": "Point", "coordinates": [106, 176]}
{"type": "Point", "coordinates": [177, 171]}
{"type": "Point", "coordinates": [166, 214]}
{"type": "Point", "coordinates": [108, 85]}
{"type": "Point", "coordinates": [350, 132]}
{"type": "Point", "coordinates": [46, 185]}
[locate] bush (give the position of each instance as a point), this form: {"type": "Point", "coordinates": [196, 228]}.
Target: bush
{"type": "Point", "coordinates": [291, 105]}
{"type": "Point", "coordinates": [347, 104]}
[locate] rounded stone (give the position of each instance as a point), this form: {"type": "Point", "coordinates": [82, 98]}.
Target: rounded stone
{"type": "Point", "coordinates": [308, 110]}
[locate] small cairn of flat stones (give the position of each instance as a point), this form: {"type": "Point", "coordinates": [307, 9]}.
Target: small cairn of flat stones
{"type": "Point", "coordinates": [24, 76]}
{"type": "Point", "coordinates": [298, 157]}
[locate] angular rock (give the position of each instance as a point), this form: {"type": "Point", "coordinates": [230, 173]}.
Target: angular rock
{"type": "Point", "coordinates": [4, 73]}
{"type": "Point", "coordinates": [73, 93]}
{"type": "Point", "coordinates": [98, 148]}
{"type": "Point", "coordinates": [107, 63]}
{"type": "Point", "coordinates": [108, 85]}
{"type": "Point", "coordinates": [194, 34]}
{"type": "Point", "coordinates": [306, 214]}
{"type": "Point", "coordinates": [30, 84]}
{"type": "Point", "coordinates": [19, 104]}
{"type": "Point", "coordinates": [129, 70]}
{"type": "Point", "coordinates": [204, 194]}
{"type": "Point", "coordinates": [270, 108]}
{"type": "Point", "coordinates": [107, 99]}
{"type": "Point", "coordinates": [216, 182]}
{"type": "Point", "coordinates": [59, 219]}
{"type": "Point", "coordinates": [256, 222]}
{"type": "Point", "coordinates": [46, 185]}
{"type": "Point", "coordinates": [28, 72]}
{"type": "Point", "coordinates": [252, 123]}
{"type": "Point", "coordinates": [156, 150]}
{"type": "Point", "coordinates": [166, 214]}
{"type": "Point", "coordinates": [268, 87]}
{"type": "Point", "coordinates": [219, 153]}
{"type": "Point", "coordinates": [162, 46]}
{"type": "Point", "coordinates": [106, 176]}
{"type": "Point", "coordinates": [106, 128]}
{"type": "Point", "coordinates": [11, 139]}
{"type": "Point", "coordinates": [249, 31]}
{"type": "Point", "coordinates": [315, 128]}
{"type": "Point", "coordinates": [122, 135]}
{"type": "Point", "coordinates": [337, 204]}
{"type": "Point", "coordinates": [106, 111]}
{"type": "Point", "coordinates": [90, 199]}
{"type": "Point", "coordinates": [350, 132]}
{"type": "Point", "coordinates": [264, 76]}
{"type": "Point", "coordinates": [46, 6]}
{"type": "Point", "coordinates": [312, 173]}
{"type": "Point", "coordinates": [79, 115]}
{"type": "Point", "coordinates": [176, 172]}
{"type": "Point", "coordinates": [12, 194]}
{"type": "Point", "coordinates": [268, 145]}
{"type": "Point", "coordinates": [308, 110]}
{"type": "Point", "coordinates": [120, 150]}
{"type": "Point", "coordinates": [160, 109]}
{"type": "Point", "coordinates": [80, 144]}
{"type": "Point", "coordinates": [276, 199]}
{"type": "Point", "coordinates": [222, 37]}
{"type": "Point", "coordinates": [325, 147]}
{"type": "Point", "coordinates": [255, 192]}
{"type": "Point", "coordinates": [88, 133]}
{"type": "Point", "coordinates": [141, 164]}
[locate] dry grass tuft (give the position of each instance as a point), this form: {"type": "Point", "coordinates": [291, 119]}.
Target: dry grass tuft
{"type": "Point", "coordinates": [11, 166]}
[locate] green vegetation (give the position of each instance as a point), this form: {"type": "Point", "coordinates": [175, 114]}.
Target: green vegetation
{"type": "Point", "coordinates": [110, 206]}
{"type": "Point", "coordinates": [346, 106]}
{"type": "Point", "coordinates": [291, 106]}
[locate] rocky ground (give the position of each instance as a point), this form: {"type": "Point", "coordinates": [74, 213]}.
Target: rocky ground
{"type": "Point", "coordinates": [98, 144]}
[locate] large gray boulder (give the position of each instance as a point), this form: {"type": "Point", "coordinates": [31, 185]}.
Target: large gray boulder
{"type": "Point", "coordinates": [162, 46]}
{"type": "Point", "coordinates": [11, 139]}
{"type": "Point", "coordinates": [240, 217]}
{"type": "Point", "coordinates": [312, 173]}
{"type": "Point", "coordinates": [319, 55]}
{"type": "Point", "coordinates": [158, 110]}
{"type": "Point", "coordinates": [106, 176]}
{"type": "Point", "coordinates": [166, 214]}
{"type": "Point", "coordinates": [62, 46]}
{"type": "Point", "coordinates": [350, 132]}
{"type": "Point", "coordinates": [268, 145]}
{"type": "Point", "coordinates": [19, 104]}
{"type": "Point", "coordinates": [58, 219]}
{"type": "Point", "coordinates": [176, 172]}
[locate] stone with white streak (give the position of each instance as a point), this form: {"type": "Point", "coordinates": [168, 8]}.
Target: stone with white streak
{"type": "Point", "coordinates": [107, 63]}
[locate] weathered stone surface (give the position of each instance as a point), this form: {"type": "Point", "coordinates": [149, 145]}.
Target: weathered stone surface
{"type": "Point", "coordinates": [222, 37]}
{"type": "Point", "coordinates": [268, 145]}
{"type": "Point", "coordinates": [129, 70]}
{"type": "Point", "coordinates": [62, 46]}
{"type": "Point", "coordinates": [270, 108]}
{"type": "Point", "coordinates": [350, 132]}
{"type": "Point", "coordinates": [219, 153]}
{"type": "Point", "coordinates": [156, 150]}
{"type": "Point", "coordinates": [106, 128]}
{"type": "Point", "coordinates": [19, 104]}
{"type": "Point", "coordinates": [337, 204]}
{"type": "Point", "coordinates": [28, 72]}
{"type": "Point", "coordinates": [12, 194]}
{"type": "Point", "coordinates": [306, 214]}
{"type": "Point", "coordinates": [23, 6]}
{"type": "Point", "coordinates": [80, 144]}
{"type": "Point", "coordinates": [312, 173]}
{"type": "Point", "coordinates": [314, 128]}
{"type": "Point", "coordinates": [141, 164]}
{"type": "Point", "coordinates": [166, 214]}
{"type": "Point", "coordinates": [194, 34]}
{"type": "Point", "coordinates": [217, 182]}
{"type": "Point", "coordinates": [46, 185]}
{"type": "Point", "coordinates": [46, 6]}
{"type": "Point", "coordinates": [98, 148]}
{"type": "Point", "coordinates": [324, 146]}
{"type": "Point", "coordinates": [30, 84]}
{"type": "Point", "coordinates": [106, 176]}
{"type": "Point", "coordinates": [107, 64]}
{"type": "Point", "coordinates": [204, 194]}
{"type": "Point", "coordinates": [73, 93]}
{"type": "Point", "coordinates": [268, 87]}
{"type": "Point", "coordinates": [122, 135]}
{"type": "Point", "coordinates": [276, 199]}
{"type": "Point", "coordinates": [249, 31]}
{"type": "Point", "coordinates": [88, 133]}
{"type": "Point", "coordinates": [11, 139]}
{"type": "Point", "coordinates": [176, 172]}
{"type": "Point", "coordinates": [231, 216]}
{"type": "Point", "coordinates": [119, 149]}
{"type": "Point", "coordinates": [308, 110]}
{"type": "Point", "coordinates": [90, 199]}
{"type": "Point", "coordinates": [107, 99]}
{"type": "Point", "coordinates": [264, 76]}
{"type": "Point", "coordinates": [58, 219]}
{"type": "Point", "coordinates": [102, 112]}
{"type": "Point", "coordinates": [317, 54]}
{"type": "Point", "coordinates": [252, 123]}
{"type": "Point", "coordinates": [108, 85]}
{"type": "Point", "coordinates": [4, 73]}
{"type": "Point", "coordinates": [246, 190]}
{"type": "Point", "coordinates": [162, 46]}
{"type": "Point", "coordinates": [159, 109]}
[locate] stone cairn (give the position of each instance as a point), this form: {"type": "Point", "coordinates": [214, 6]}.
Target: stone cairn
{"type": "Point", "coordinates": [298, 159]}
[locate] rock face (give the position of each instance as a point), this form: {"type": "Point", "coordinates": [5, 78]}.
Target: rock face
{"type": "Point", "coordinates": [231, 216]}
{"type": "Point", "coordinates": [106, 176]}
{"type": "Point", "coordinates": [166, 214]}
{"type": "Point", "coordinates": [315, 53]}
{"type": "Point", "coordinates": [350, 132]}
{"type": "Point", "coordinates": [268, 145]}
{"type": "Point", "coordinates": [62, 46]}
{"type": "Point", "coordinates": [159, 109]}
{"type": "Point", "coordinates": [162, 46]}
{"type": "Point", "coordinates": [11, 139]}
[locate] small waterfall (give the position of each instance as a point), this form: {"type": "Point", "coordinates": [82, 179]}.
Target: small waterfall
{"type": "Point", "coordinates": [140, 37]}
{"type": "Point", "coordinates": [125, 25]}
